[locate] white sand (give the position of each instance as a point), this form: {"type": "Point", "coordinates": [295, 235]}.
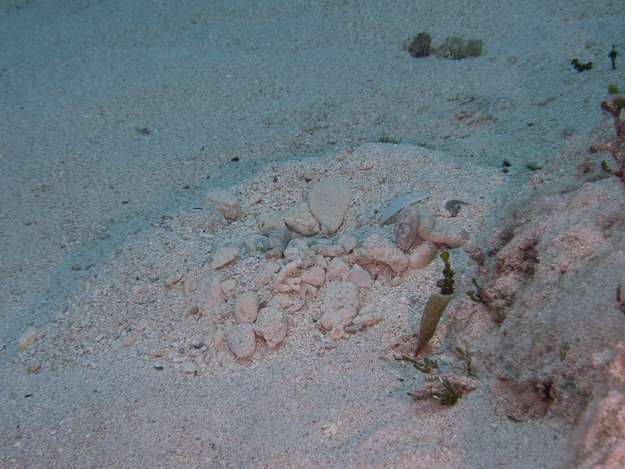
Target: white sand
{"type": "Point", "coordinates": [279, 86]}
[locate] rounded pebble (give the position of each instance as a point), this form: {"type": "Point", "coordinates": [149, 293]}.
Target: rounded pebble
{"type": "Point", "coordinates": [246, 308]}
{"type": "Point", "coordinates": [189, 367]}
{"type": "Point", "coordinates": [191, 310]}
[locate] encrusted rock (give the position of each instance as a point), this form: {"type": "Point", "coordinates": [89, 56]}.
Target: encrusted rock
{"type": "Point", "coordinates": [268, 221]}
{"type": "Point", "coordinates": [329, 250]}
{"type": "Point", "coordinates": [224, 201]}
{"type": "Point", "coordinates": [242, 341]}
{"type": "Point", "coordinates": [422, 255]}
{"type": "Point", "coordinates": [212, 219]}
{"type": "Point", "coordinates": [337, 270]}
{"type": "Point", "coordinates": [406, 227]}
{"type": "Point", "coordinates": [271, 325]}
{"type": "Point", "coordinates": [377, 248]}
{"type": "Point", "coordinates": [210, 291]}
{"type": "Point", "coordinates": [223, 256]}
{"type": "Point", "coordinates": [246, 308]}
{"type": "Point", "coordinates": [254, 243]}
{"type": "Point", "coordinates": [347, 242]}
{"type": "Point", "coordinates": [301, 220]}
{"type": "Point", "coordinates": [279, 238]}
{"type": "Point", "coordinates": [442, 231]}
{"type": "Point", "coordinates": [328, 202]}
{"type": "Point", "coordinates": [369, 319]}
{"type": "Point", "coordinates": [338, 332]}
{"type": "Point", "coordinates": [314, 275]}
{"type": "Point", "coordinates": [340, 304]}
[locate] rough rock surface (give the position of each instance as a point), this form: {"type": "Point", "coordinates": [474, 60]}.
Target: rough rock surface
{"type": "Point", "coordinates": [301, 220]}
{"type": "Point", "coordinates": [440, 231]}
{"type": "Point", "coordinates": [328, 202]}
{"type": "Point", "coordinates": [279, 238]}
{"type": "Point", "coordinates": [377, 248]}
{"type": "Point", "coordinates": [224, 255]}
{"type": "Point", "coordinates": [242, 341]}
{"type": "Point", "coordinates": [340, 304]}
{"type": "Point", "coordinates": [314, 275]}
{"type": "Point", "coordinates": [337, 270]}
{"type": "Point", "coordinates": [224, 201]}
{"type": "Point", "coordinates": [269, 220]}
{"type": "Point", "coordinates": [210, 291]}
{"type": "Point", "coordinates": [272, 325]}
{"type": "Point", "coordinates": [213, 219]}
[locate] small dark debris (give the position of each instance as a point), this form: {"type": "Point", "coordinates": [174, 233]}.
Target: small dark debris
{"type": "Point", "coordinates": [235, 159]}
{"type": "Point", "coordinates": [27, 395]}
{"type": "Point", "coordinates": [620, 302]}
{"type": "Point", "coordinates": [533, 166]}
{"type": "Point", "coordinates": [187, 186]}
{"type": "Point", "coordinates": [158, 368]}
{"type": "Point", "coordinates": [454, 206]}
{"type": "Point", "coordinates": [76, 268]}
{"type": "Point", "coordinates": [143, 130]}
{"type": "Point", "coordinates": [125, 202]}
{"type": "Point", "coordinates": [506, 164]}
{"type": "Point", "coordinates": [613, 55]}
{"type": "Point", "coordinates": [580, 67]}
{"type": "Point", "coordinates": [514, 419]}
{"type": "Point", "coordinates": [592, 150]}
{"type": "Point", "coordinates": [530, 124]}
{"type": "Point", "coordinates": [505, 170]}
{"type": "Point", "coordinates": [275, 179]}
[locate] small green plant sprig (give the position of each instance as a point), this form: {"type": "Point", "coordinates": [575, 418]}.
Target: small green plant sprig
{"type": "Point", "coordinates": [446, 284]}
{"type": "Point", "coordinates": [448, 397]}
{"type": "Point", "coordinates": [426, 367]}
{"type": "Point", "coordinates": [467, 358]}
{"type": "Point", "coordinates": [478, 295]}
{"type": "Point", "coordinates": [456, 48]}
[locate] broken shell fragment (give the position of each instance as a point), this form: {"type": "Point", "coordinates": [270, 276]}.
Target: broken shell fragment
{"type": "Point", "coordinates": [359, 277]}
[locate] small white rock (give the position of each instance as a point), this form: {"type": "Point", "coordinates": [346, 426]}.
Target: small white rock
{"type": "Point", "coordinates": [191, 310]}
{"type": "Point", "coordinates": [173, 279]}
{"type": "Point", "coordinates": [189, 367]}
{"type": "Point", "coordinates": [218, 337]}
{"type": "Point", "coordinates": [228, 285]}
{"type": "Point", "coordinates": [223, 256]}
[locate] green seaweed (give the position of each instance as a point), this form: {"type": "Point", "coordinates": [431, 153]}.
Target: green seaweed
{"type": "Point", "coordinates": [426, 367]}
{"type": "Point", "coordinates": [456, 48]}
{"type": "Point", "coordinates": [446, 284]}
{"type": "Point", "coordinates": [478, 295]}
{"type": "Point", "coordinates": [421, 45]}
{"type": "Point", "coordinates": [449, 397]}
{"type": "Point", "coordinates": [614, 89]}
{"type": "Point", "coordinates": [387, 139]}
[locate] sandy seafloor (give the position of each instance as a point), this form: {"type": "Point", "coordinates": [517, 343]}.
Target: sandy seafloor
{"type": "Point", "coordinates": [114, 114]}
